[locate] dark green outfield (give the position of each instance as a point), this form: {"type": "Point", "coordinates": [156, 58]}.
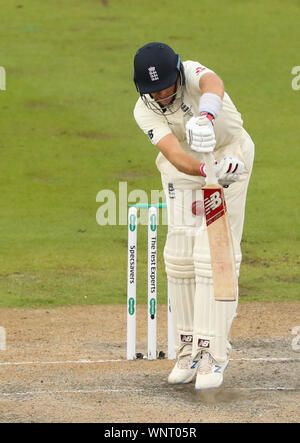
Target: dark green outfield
{"type": "Point", "coordinates": [67, 132]}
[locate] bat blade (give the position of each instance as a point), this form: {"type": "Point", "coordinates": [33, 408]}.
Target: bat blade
{"type": "Point", "coordinates": [220, 244]}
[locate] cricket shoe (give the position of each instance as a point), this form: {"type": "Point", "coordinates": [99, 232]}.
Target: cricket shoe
{"type": "Point", "coordinates": [184, 370]}
{"type": "Point", "coordinates": [209, 373]}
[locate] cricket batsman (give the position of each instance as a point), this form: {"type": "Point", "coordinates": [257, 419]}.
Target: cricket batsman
{"type": "Point", "coordinates": [186, 113]}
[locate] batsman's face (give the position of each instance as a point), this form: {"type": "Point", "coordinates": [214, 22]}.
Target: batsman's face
{"type": "Point", "coordinates": [165, 96]}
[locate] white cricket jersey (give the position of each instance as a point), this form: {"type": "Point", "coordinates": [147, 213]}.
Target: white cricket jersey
{"type": "Point", "coordinates": [228, 124]}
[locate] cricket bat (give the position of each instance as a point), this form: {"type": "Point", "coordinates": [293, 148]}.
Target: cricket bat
{"type": "Point", "coordinates": [219, 236]}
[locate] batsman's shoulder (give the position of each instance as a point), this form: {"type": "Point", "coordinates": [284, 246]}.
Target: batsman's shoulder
{"type": "Point", "coordinates": [193, 71]}
{"type": "Point", "coordinates": [142, 113]}
{"type": "Point", "coordinates": [139, 109]}
{"type": "Point", "coordinates": [138, 104]}
{"type": "Point", "coordinates": [195, 68]}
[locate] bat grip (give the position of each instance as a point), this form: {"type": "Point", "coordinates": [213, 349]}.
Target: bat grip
{"type": "Point", "coordinates": [211, 178]}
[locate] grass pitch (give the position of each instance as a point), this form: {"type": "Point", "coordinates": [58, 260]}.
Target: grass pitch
{"type": "Point", "coordinates": [67, 132]}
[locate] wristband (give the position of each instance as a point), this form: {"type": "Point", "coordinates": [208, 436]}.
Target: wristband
{"type": "Point", "coordinates": [209, 116]}
{"type": "Point", "coordinates": [210, 103]}
{"type": "Point", "coordinates": [202, 170]}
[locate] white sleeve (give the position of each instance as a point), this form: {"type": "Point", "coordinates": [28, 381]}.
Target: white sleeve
{"type": "Point", "coordinates": [153, 125]}
{"type": "Point", "coordinates": [193, 71]}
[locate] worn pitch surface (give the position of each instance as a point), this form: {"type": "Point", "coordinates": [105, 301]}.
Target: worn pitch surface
{"type": "Point", "coordinates": [68, 365]}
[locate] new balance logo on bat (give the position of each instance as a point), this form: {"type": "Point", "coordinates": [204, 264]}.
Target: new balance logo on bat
{"type": "Point", "coordinates": [212, 202]}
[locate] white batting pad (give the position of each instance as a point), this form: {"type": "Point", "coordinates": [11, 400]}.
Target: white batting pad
{"type": "Point", "coordinates": [212, 319]}
{"type": "Point", "coordinates": [178, 255]}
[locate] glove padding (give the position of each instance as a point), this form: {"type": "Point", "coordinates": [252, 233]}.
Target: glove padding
{"type": "Point", "coordinates": [229, 170]}
{"type": "Point", "coordinates": [200, 134]}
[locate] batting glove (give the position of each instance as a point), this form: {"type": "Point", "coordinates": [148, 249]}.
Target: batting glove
{"type": "Point", "coordinates": [229, 170]}
{"type": "Point", "coordinates": [200, 134]}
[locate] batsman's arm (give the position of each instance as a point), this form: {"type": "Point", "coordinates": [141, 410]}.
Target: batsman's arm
{"type": "Point", "coordinates": [171, 149]}
{"type": "Point", "coordinates": [212, 93]}
{"type": "Point", "coordinates": [212, 83]}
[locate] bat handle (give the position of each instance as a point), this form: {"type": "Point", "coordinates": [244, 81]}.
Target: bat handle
{"type": "Point", "coordinates": [211, 178]}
